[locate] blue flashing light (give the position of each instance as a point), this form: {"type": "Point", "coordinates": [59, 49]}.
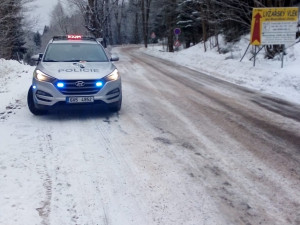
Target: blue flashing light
{"type": "Point", "coordinates": [99, 84]}
{"type": "Point", "coordinates": [34, 87]}
{"type": "Point", "coordinates": [60, 84]}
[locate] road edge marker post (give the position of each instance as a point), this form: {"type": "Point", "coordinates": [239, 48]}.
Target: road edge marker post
{"type": "Point", "coordinates": [282, 56]}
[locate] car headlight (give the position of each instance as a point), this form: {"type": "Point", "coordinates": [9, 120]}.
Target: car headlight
{"type": "Point", "coordinates": [40, 76]}
{"type": "Point", "coordinates": [113, 76]}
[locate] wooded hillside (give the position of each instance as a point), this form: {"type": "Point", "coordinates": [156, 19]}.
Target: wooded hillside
{"type": "Point", "coordinates": [132, 22]}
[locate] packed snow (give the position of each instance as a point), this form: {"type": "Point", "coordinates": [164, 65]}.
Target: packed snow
{"type": "Point", "coordinates": [158, 161]}
{"type": "Point", "coordinates": [267, 76]}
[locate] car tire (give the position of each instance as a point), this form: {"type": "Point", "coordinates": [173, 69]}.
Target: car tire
{"type": "Point", "coordinates": [116, 106]}
{"type": "Point", "coordinates": [31, 105]}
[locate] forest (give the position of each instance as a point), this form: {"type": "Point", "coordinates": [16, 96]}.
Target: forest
{"type": "Point", "coordinates": [129, 22]}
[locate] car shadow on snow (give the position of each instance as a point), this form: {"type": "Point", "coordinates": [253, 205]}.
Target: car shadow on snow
{"type": "Point", "coordinates": [79, 112]}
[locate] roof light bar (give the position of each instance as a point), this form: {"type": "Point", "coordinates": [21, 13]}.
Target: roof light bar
{"type": "Point", "coordinates": [74, 37]}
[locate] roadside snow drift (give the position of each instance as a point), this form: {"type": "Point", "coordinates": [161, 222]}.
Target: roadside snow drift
{"type": "Point", "coordinates": [267, 76]}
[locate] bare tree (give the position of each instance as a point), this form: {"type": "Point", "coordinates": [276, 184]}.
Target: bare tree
{"type": "Point", "coordinates": [60, 18]}
{"type": "Point", "coordinates": [97, 15]}
{"type": "Point", "coordinates": [119, 15]}
{"type": "Point", "coordinates": [145, 8]}
{"type": "Point", "coordinates": [134, 20]}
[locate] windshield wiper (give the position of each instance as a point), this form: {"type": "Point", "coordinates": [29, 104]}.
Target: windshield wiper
{"type": "Point", "coordinates": [50, 60]}
{"type": "Point", "coordinates": [73, 60]}
{"type": "Point", "coordinates": [96, 61]}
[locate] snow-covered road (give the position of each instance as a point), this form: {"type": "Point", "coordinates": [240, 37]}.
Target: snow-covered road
{"type": "Point", "coordinates": [185, 149]}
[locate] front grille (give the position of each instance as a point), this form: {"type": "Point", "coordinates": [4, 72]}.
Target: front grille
{"type": "Point", "coordinates": [70, 88]}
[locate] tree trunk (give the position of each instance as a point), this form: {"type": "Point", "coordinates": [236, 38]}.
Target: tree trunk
{"type": "Point", "coordinates": [145, 19]}
{"type": "Point", "coordinates": [170, 41]}
{"type": "Point", "coordinates": [144, 23]}
{"type": "Point", "coordinates": [136, 29]}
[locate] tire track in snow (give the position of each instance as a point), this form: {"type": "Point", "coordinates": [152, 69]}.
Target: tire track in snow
{"type": "Point", "coordinates": [229, 179]}
{"type": "Point", "coordinates": [60, 205]}
{"type": "Point", "coordinates": [76, 199]}
{"type": "Point", "coordinates": [46, 150]}
{"type": "Point", "coordinates": [121, 176]}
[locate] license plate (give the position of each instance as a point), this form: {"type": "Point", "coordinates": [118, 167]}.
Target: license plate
{"type": "Point", "coordinates": [81, 99]}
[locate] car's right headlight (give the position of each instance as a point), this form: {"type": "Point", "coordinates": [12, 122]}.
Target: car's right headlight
{"type": "Point", "coordinates": [113, 76]}
{"type": "Point", "coordinates": [40, 76]}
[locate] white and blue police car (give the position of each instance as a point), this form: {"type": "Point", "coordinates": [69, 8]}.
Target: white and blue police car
{"type": "Point", "coordinates": [74, 70]}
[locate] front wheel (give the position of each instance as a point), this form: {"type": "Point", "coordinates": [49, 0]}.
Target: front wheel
{"type": "Point", "coordinates": [31, 105]}
{"type": "Point", "coordinates": [116, 106]}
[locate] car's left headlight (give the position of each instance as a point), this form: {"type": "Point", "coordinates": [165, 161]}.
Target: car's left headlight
{"type": "Point", "coordinates": [113, 76]}
{"type": "Point", "coordinates": [40, 76]}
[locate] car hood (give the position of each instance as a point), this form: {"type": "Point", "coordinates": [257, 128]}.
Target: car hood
{"type": "Point", "coordinates": [76, 70]}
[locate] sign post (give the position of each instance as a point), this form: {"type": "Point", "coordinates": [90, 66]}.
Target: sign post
{"type": "Point", "coordinates": [177, 32]}
{"type": "Point", "coordinates": [274, 26]}
{"type": "Point", "coordinates": [177, 43]}
{"type": "Point", "coordinates": [282, 56]}
{"type": "Point", "coordinates": [153, 36]}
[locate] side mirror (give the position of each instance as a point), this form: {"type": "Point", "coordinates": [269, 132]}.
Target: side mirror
{"type": "Point", "coordinates": [37, 57]}
{"type": "Point", "coordinates": [114, 58]}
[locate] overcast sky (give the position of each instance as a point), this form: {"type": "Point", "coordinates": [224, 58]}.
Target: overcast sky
{"type": "Point", "coordinates": [42, 10]}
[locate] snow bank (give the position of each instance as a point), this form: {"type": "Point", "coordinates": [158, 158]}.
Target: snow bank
{"type": "Point", "coordinates": [14, 79]}
{"type": "Point", "coordinates": [9, 67]}
{"type": "Point", "coordinates": [267, 76]}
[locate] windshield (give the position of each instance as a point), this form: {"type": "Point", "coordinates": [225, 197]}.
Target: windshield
{"type": "Point", "coordinates": [74, 52]}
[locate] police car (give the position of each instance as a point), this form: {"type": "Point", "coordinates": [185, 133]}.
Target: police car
{"type": "Point", "coordinates": [74, 70]}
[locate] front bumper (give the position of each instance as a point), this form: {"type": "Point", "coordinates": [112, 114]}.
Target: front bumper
{"type": "Point", "coordinates": [47, 95]}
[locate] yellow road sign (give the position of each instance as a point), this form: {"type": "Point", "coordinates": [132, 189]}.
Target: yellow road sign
{"type": "Point", "coordinates": [274, 25]}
